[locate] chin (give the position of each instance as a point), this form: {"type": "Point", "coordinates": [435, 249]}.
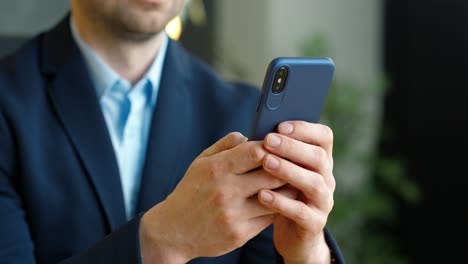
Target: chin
{"type": "Point", "coordinates": [139, 34]}
{"type": "Point", "coordinates": [143, 18]}
{"type": "Point", "coordinates": [143, 24]}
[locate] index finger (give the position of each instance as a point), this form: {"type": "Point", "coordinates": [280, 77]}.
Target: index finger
{"type": "Point", "coordinates": [243, 157]}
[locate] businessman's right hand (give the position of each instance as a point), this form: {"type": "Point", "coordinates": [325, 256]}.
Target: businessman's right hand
{"type": "Point", "coordinates": [214, 208]}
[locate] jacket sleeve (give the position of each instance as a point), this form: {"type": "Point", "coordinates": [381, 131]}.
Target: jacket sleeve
{"type": "Point", "coordinates": [121, 246]}
{"type": "Point", "coordinates": [261, 249]}
{"type": "Point", "coordinates": [16, 245]}
{"type": "Point", "coordinates": [334, 248]}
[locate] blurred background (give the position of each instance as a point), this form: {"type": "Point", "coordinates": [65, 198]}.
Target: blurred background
{"type": "Point", "coordinates": [398, 104]}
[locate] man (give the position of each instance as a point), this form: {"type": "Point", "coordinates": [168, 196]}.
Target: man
{"type": "Point", "coordinates": [108, 153]}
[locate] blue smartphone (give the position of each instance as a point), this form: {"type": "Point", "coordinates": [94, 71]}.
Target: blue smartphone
{"type": "Point", "coordinates": [294, 88]}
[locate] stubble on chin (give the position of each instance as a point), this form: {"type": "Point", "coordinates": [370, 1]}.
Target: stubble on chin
{"type": "Point", "coordinates": [135, 27]}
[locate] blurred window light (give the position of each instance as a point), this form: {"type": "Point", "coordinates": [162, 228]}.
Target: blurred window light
{"type": "Point", "coordinates": [174, 28]}
{"type": "Point", "coordinates": [194, 11]}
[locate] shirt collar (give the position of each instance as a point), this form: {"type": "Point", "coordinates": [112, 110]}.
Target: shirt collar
{"type": "Point", "coordinates": [104, 77]}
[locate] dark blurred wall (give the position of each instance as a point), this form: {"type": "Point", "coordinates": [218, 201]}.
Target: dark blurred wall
{"type": "Point", "coordinates": [9, 44]}
{"type": "Point", "coordinates": [28, 17]}
{"type": "Point", "coordinates": [200, 39]}
{"type": "Point", "coordinates": [22, 19]}
{"type": "Point", "coordinates": [426, 55]}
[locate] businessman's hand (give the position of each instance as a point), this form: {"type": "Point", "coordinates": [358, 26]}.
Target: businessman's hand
{"type": "Point", "coordinates": [300, 155]}
{"type": "Point", "coordinates": [214, 209]}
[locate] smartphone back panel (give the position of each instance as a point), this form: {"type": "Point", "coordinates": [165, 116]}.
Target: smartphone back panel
{"type": "Point", "coordinates": [302, 97]}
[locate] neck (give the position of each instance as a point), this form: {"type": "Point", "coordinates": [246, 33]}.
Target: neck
{"type": "Point", "coordinates": [129, 57]}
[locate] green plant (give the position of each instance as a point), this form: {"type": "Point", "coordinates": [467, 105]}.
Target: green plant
{"type": "Point", "coordinates": [360, 205]}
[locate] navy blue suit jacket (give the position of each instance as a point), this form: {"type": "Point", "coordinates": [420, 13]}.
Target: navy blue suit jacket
{"type": "Point", "coordinates": [60, 192]}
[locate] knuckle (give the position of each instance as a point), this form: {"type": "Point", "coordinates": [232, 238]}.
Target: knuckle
{"type": "Point", "coordinates": [321, 155]}
{"type": "Point", "coordinates": [256, 153]}
{"type": "Point", "coordinates": [237, 237]}
{"type": "Point", "coordinates": [323, 189]}
{"type": "Point", "coordinates": [317, 186]}
{"type": "Point", "coordinates": [228, 165]}
{"type": "Point", "coordinates": [220, 199]}
{"type": "Point", "coordinates": [215, 170]}
{"type": "Point", "coordinates": [233, 136]}
{"type": "Point", "coordinates": [302, 214]}
{"type": "Point", "coordinates": [226, 219]}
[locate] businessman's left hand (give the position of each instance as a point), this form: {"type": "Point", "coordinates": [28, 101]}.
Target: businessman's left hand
{"type": "Point", "coordinates": [301, 155]}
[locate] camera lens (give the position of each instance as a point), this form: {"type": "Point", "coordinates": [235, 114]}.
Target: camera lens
{"type": "Point", "coordinates": [277, 88]}
{"type": "Point", "coordinates": [280, 80]}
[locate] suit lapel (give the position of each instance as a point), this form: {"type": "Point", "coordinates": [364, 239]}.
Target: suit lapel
{"type": "Point", "coordinates": [76, 104]}
{"type": "Point", "coordinates": [168, 136]}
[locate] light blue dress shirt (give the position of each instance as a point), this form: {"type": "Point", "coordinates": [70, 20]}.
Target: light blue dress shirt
{"type": "Point", "coordinates": [127, 111]}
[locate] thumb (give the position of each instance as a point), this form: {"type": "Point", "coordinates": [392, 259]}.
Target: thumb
{"type": "Point", "coordinates": [227, 142]}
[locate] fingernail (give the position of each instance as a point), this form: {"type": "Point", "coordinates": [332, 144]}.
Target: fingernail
{"type": "Point", "coordinates": [273, 140]}
{"type": "Point", "coordinates": [286, 128]}
{"type": "Point", "coordinates": [266, 197]}
{"type": "Point", "coordinates": [272, 163]}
